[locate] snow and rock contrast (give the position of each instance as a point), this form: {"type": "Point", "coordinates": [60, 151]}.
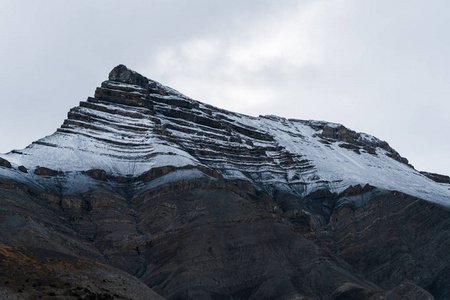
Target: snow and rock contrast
{"type": "Point", "coordinates": [144, 193]}
{"type": "Point", "coordinates": [134, 125]}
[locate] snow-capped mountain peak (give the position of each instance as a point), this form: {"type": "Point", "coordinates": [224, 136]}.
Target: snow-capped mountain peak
{"type": "Point", "coordinates": [134, 125]}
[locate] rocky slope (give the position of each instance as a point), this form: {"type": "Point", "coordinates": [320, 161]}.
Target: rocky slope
{"type": "Point", "coordinates": [196, 202]}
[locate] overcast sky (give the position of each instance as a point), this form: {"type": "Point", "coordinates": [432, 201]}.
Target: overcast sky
{"type": "Point", "coordinates": [380, 67]}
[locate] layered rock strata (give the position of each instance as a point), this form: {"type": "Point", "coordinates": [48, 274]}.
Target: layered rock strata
{"type": "Point", "coordinates": [144, 193]}
{"type": "Point", "coordinates": [134, 125]}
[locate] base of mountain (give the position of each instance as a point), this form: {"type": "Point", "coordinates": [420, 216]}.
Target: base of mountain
{"type": "Point", "coordinates": [219, 239]}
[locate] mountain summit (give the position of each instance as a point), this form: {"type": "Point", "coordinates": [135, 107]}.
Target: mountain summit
{"type": "Point", "coordinates": [194, 201]}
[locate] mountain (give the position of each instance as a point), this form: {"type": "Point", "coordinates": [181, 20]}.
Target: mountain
{"type": "Point", "coordinates": [177, 199]}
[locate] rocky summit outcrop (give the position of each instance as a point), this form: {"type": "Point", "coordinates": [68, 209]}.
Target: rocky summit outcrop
{"type": "Point", "coordinates": [144, 193]}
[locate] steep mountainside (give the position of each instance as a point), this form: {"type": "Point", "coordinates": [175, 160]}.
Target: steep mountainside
{"type": "Point", "coordinates": [196, 202]}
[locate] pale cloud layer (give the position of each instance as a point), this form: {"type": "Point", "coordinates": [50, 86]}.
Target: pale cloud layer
{"type": "Point", "coordinates": [380, 67]}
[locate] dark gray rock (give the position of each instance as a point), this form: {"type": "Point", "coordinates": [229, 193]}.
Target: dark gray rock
{"type": "Point", "coordinates": [42, 171]}
{"type": "Point", "coordinates": [122, 74]}
{"type": "Point", "coordinates": [5, 163]}
{"type": "Point", "coordinates": [437, 177]}
{"type": "Point", "coordinates": [395, 238]}
{"type": "Point", "coordinates": [206, 239]}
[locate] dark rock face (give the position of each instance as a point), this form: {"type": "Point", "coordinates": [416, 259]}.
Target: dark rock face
{"type": "Point", "coordinates": [437, 177]}
{"type": "Point", "coordinates": [122, 74]}
{"type": "Point", "coordinates": [218, 239]}
{"type": "Point", "coordinates": [41, 273]}
{"type": "Point", "coordinates": [5, 163]}
{"type": "Point", "coordinates": [97, 174]}
{"type": "Point", "coordinates": [23, 169]}
{"type": "Point", "coordinates": [42, 171]}
{"type": "Point", "coordinates": [395, 237]}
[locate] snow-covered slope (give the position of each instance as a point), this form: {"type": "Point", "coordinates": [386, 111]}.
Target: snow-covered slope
{"type": "Point", "coordinates": [134, 125]}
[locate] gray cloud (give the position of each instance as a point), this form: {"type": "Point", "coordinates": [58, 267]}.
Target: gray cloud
{"type": "Point", "coordinates": [380, 67]}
